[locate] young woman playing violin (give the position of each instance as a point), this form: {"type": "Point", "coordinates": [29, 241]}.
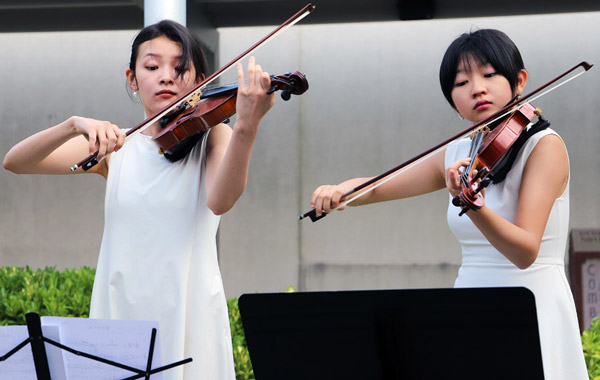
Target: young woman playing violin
{"type": "Point", "coordinates": [158, 256]}
{"type": "Point", "coordinates": [518, 237]}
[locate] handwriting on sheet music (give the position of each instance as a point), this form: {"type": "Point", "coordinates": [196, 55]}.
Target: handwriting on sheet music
{"type": "Point", "coordinates": [20, 365]}
{"type": "Point", "coordinates": [125, 342]}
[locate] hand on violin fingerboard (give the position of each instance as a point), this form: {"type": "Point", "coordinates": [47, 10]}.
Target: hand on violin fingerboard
{"type": "Point", "coordinates": [253, 102]}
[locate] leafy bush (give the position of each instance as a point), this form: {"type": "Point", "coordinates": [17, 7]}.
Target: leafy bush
{"type": "Point", "coordinates": [241, 357]}
{"type": "Point", "coordinates": [68, 294]}
{"type": "Point", "coordinates": [591, 349]}
{"type": "Point", "coordinates": [46, 292]}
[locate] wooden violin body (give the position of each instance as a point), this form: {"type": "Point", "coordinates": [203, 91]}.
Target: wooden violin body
{"type": "Point", "coordinates": [497, 143]}
{"type": "Point", "coordinates": [184, 106]}
{"type": "Point", "coordinates": [217, 106]}
{"type": "Point", "coordinates": [493, 152]}
{"type": "Point", "coordinates": [490, 154]}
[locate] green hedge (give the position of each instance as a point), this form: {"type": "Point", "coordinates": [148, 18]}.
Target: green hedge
{"type": "Point", "coordinates": [591, 348]}
{"type": "Point", "coordinates": [46, 292]}
{"type": "Point", "coordinates": [68, 293]}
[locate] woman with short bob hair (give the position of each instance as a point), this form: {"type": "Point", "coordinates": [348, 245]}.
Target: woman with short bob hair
{"type": "Point", "coordinates": [518, 237]}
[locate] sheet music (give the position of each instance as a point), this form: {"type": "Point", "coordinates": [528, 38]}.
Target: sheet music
{"type": "Point", "coordinates": [125, 342]}
{"type": "Point", "coordinates": [20, 365]}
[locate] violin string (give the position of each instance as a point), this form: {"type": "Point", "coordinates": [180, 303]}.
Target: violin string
{"type": "Point", "coordinates": [160, 116]}
{"type": "Point", "coordinates": [475, 144]}
{"type": "Point", "coordinates": [474, 149]}
{"type": "Point", "coordinates": [412, 164]}
{"type": "Point", "coordinates": [529, 100]}
{"type": "Point", "coordinates": [477, 140]}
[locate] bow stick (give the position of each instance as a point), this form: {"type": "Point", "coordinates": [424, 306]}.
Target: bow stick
{"type": "Point", "coordinates": [379, 180]}
{"type": "Point", "coordinates": [193, 96]}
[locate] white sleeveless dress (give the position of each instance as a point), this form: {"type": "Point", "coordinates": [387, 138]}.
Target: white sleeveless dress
{"type": "Point", "coordinates": [158, 259]}
{"type": "Point", "coordinates": [483, 266]}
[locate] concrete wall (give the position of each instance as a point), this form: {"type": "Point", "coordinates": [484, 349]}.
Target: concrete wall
{"type": "Point", "coordinates": [374, 101]}
{"type": "Point", "coordinates": [47, 77]}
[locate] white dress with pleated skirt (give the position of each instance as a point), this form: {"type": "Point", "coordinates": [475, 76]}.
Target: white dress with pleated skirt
{"type": "Point", "coordinates": [158, 259]}
{"type": "Point", "coordinates": [483, 266]}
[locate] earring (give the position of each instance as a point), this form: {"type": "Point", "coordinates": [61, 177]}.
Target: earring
{"type": "Point", "coordinates": [135, 94]}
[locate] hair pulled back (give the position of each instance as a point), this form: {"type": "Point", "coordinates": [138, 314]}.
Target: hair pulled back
{"type": "Point", "coordinates": [191, 50]}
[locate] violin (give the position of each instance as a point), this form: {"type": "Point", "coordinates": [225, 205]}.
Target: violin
{"type": "Point", "coordinates": [186, 104]}
{"type": "Point", "coordinates": [216, 106]}
{"type": "Point", "coordinates": [489, 149]}
{"type": "Point", "coordinates": [493, 151]}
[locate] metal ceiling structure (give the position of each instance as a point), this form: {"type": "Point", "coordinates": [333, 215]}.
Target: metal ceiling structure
{"type": "Point", "coordinates": [70, 15]}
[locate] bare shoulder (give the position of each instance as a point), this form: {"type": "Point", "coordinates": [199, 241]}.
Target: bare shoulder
{"type": "Point", "coordinates": [549, 151]}
{"type": "Point", "coordinates": [547, 167]}
{"type": "Point", "coordinates": [219, 133]}
{"type": "Point", "coordinates": [218, 139]}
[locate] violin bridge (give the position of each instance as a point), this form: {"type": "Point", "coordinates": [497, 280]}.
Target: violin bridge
{"type": "Point", "coordinates": [194, 98]}
{"type": "Point", "coordinates": [483, 129]}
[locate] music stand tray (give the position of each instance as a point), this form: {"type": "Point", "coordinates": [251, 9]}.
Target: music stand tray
{"type": "Point", "coordinates": [466, 334]}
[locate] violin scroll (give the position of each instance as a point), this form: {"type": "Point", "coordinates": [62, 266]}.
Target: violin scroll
{"type": "Point", "coordinates": [382, 178]}
{"type": "Point", "coordinates": [216, 106]}
{"type": "Point", "coordinates": [289, 84]}
{"type": "Point", "coordinates": [470, 198]}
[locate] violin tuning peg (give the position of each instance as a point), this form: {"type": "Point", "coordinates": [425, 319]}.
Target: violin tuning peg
{"type": "Point", "coordinates": [484, 183]}
{"type": "Point", "coordinates": [456, 201]}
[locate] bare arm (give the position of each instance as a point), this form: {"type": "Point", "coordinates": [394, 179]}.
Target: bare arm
{"type": "Point", "coordinates": [56, 149]}
{"type": "Point", "coordinates": [424, 177]}
{"type": "Point", "coordinates": [228, 152]}
{"type": "Point", "coordinates": [544, 179]}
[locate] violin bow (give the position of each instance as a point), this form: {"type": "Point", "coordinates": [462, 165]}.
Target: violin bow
{"type": "Point", "coordinates": [379, 180]}
{"type": "Point", "coordinates": [193, 96]}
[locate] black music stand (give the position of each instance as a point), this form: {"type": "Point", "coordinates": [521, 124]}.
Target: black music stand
{"type": "Point", "coordinates": [466, 334]}
{"type": "Point", "coordinates": [40, 359]}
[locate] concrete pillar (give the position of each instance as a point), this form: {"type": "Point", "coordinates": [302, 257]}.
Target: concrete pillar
{"type": "Point", "coordinates": [206, 32]}
{"type": "Point", "coordinates": [156, 10]}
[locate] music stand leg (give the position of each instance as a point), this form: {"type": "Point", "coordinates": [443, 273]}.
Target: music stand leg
{"type": "Point", "coordinates": [40, 359]}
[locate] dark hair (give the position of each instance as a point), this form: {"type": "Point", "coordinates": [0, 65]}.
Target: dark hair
{"type": "Point", "coordinates": [190, 46]}
{"type": "Point", "coordinates": [191, 49]}
{"type": "Point", "coordinates": [483, 46]}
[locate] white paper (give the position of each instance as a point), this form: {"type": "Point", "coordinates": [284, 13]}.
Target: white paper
{"type": "Point", "coordinates": [20, 365]}
{"type": "Point", "coordinates": [124, 342]}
